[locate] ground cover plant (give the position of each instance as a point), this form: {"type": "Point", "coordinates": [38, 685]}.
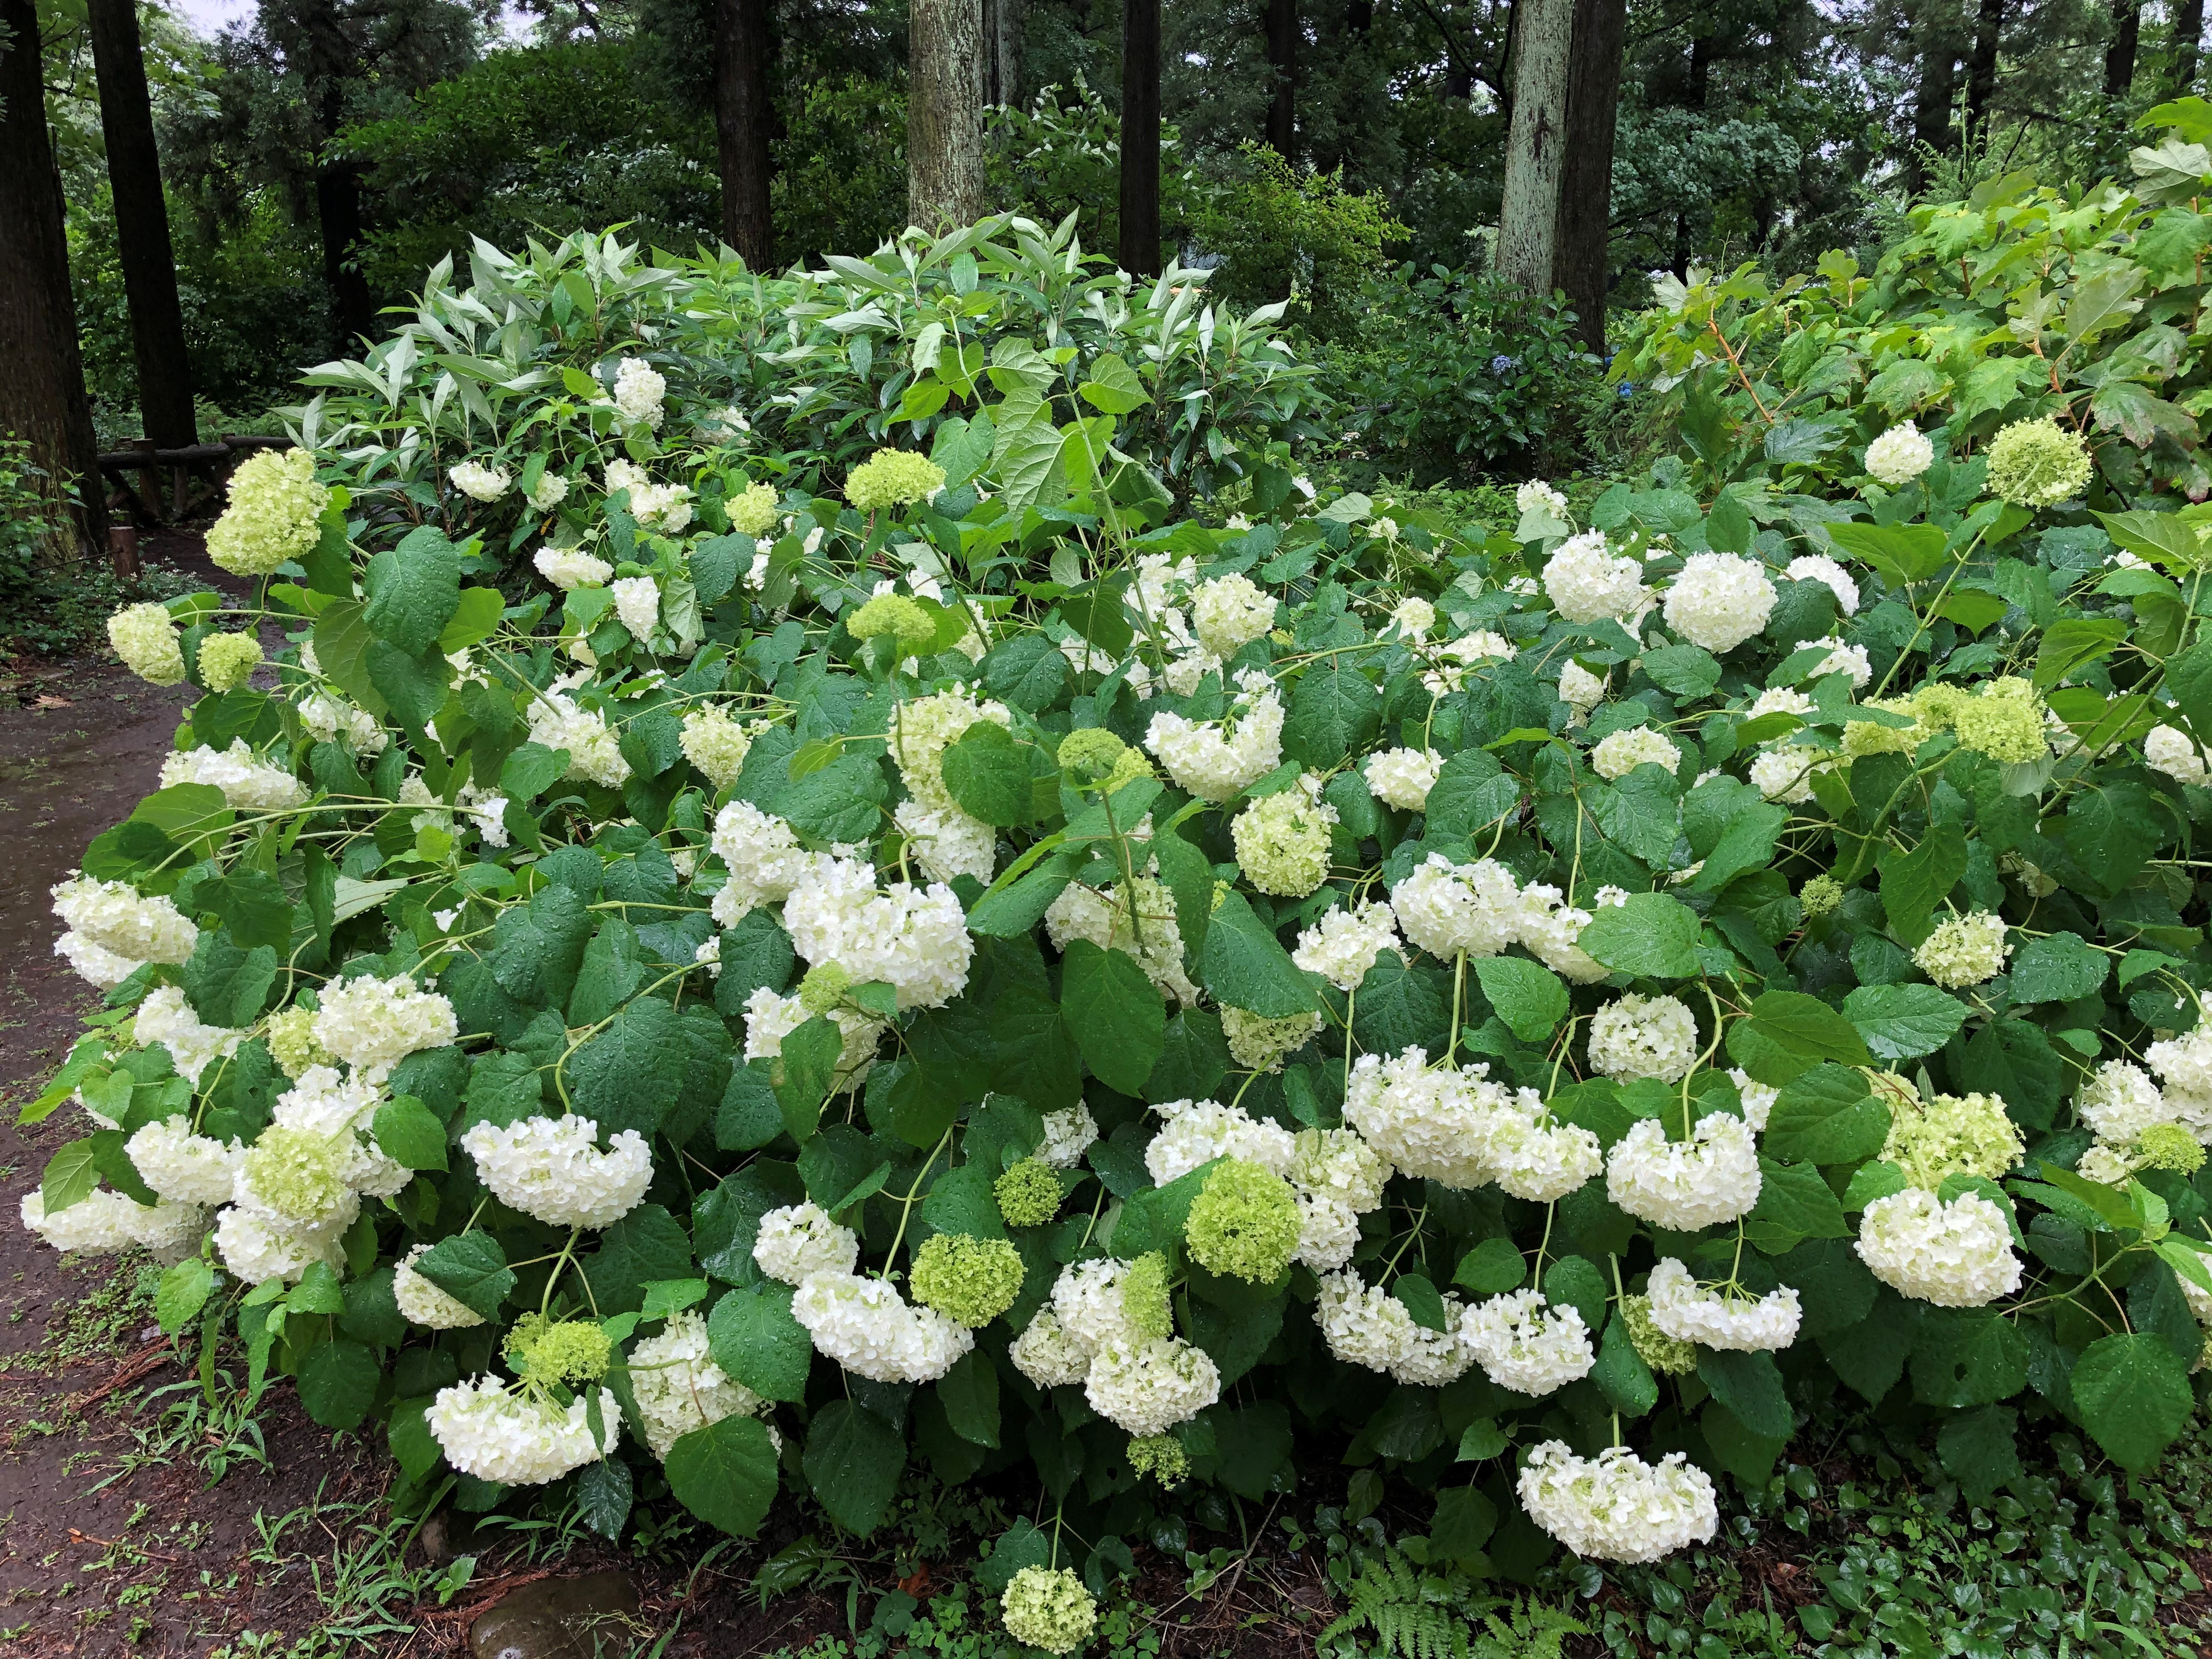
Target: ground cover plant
{"type": "Point", "coordinates": [859, 872]}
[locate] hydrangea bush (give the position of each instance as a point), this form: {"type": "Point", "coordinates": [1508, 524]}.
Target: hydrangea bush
{"type": "Point", "coordinates": [683, 1003]}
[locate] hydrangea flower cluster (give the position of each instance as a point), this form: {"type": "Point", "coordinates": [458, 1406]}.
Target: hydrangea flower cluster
{"type": "Point", "coordinates": [1616, 1507]}
{"type": "Point", "coordinates": [275, 506]}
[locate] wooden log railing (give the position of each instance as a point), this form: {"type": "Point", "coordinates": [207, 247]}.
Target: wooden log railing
{"type": "Point", "coordinates": [194, 474]}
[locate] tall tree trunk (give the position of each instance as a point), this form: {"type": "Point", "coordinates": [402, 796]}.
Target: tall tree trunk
{"type": "Point", "coordinates": [42, 398]}
{"type": "Point", "coordinates": [1002, 47]}
{"type": "Point", "coordinates": [1141, 138]}
{"type": "Point", "coordinates": [1536, 145]}
{"type": "Point", "coordinates": [1694, 88]}
{"type": "Point", "coordinates": [1932, 132]}
{"type": "Point", "coordinates": [338, 203]}
{"type": "Point", "coordinates": [1283, 59]}
{"type": "Point", "coordinates": [945, 113]}
{"type": "Point", "coordinates": [1982, 66]}
{"type": "Point", "coordinates": [1580, 265]}
{"type": "Point", "coordinates": [141, 226]}
{"type": "Point", "coordinates": [2188, 36]}
{"type": "Point", "coordinates": [2120, 54]}
{"type": "Point", "coordinates": [744, 48]}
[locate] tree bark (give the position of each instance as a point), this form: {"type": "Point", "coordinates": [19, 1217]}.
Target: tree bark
{"type": "Point", "coordinates": [744, 48]}
{"type": "Point", "coordinates": [945, 113]}
{"type": "Point", "coordinates": [1283, 59]}
{"type": "Point", "coordinates": [1141, 138]}
{"type": "Point", "coordinates": [1579, 264]}
{"type": "Point", "coordinates": [2188, 36]}
{"type": "Point", "coordinates": [1535, 145]}
{"type": "Point", "coordinates": [1695, 87]}
{"type": "Point", "coordinates": [1002, 44]}
{"type": "Point", "coordinates": [1932, 132]}
{"type": "Point", "coordinates": [141, 226]}
{"type": "Point", "coordinates": [2120, 53]}
{"type": "Point", "coordinates": [1982, 65]}
{"type": "Point", "coordinates": [42, 398]}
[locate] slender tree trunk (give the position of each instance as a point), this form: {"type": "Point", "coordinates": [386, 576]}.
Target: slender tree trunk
{"type": "Point", "coordinates": [1141, 138]}
{"type": "Point", "coordinates": [2120, 54]}
{"type": "Point", "coordinates": [1694, 86]}
{"type": "Point", "coordinates": [1002, 46]}
{"type": "Point", "coordinates": [1580, 265]}
{"type": "Point", "coordinates": [1932, 132]}
{"type": "Point", "coordinates": [2188, 36]}
{"type": "Point", "coordinates": [337, 211]}
{"type": "Point", "coordinates": [1283, 59]}
{"type": "Point", "coordinates": [744, 49]}
{"type": "Point", "coordinates": [42, 399]}
{"type": "Point", "coordinates": [945, 113]}
{"type": "Point", "coordinates": [1535, 145]}
{"type": "Point", "coordinates": [1982, 65]}
{"type": "Point", "coordinates": [141, 226]}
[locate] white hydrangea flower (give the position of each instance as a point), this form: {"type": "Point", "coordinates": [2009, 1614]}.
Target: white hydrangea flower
{"type": "Point", "coordinates": [1900, 455]}
{"type": "Point", "coordinates": [103, 1222]}
{"type": "Point", "coordinates": [1102, 914]}
{"type": "Point", "coordinates": [1619, 753]}
{"type": "Point", "coordinates": [2121, 1101]}
{"type": "Point", "coordinates": [517, 1439]}
{"type": "Point", "coordinates": [866, 1326]}
{"type": "Point", "coordinates": [1068, 1133]}
{"type": "Point", "coordinates": [551, 1168]}
{"type": "Point", "coordinates": [1403, 777]}
{"type": "Point", "coordinates": [1964, 949]}
{"type": "Point", "coordinates": [478, 481]}
{"type": "Point", "coordinates": [1195, 1132]}
{"type": "Point", "coordinates": [187, 1167]}
{"type": "Point", "coordinates": [570, 568]}
{"type": "Point", "coordinates": [1683, 1186]}
{"type": "Point", "coordinates": [1587, 583]}
{"type": "Point", "coordinates": [1337, 1164]}
{"type": "Point", "coordinates": [1524, 1343]}
{"type": "Point", "coordinates": [420, 1302]}
{"type": "Point", "coordinates": [328, 719]}
{"type": "Point", "coordinates": [2169, 749]}
{"type": "Point", "coordinates": [924, 727]}
{"type": "Point", "coordinates": [639, 389]}
{"type": "Point", "coordinates": [1552, 930]}
{"type": "Point", "coordinates": [1216, 760]}
{"type": "Point", "coordinates": [1719, 600]}
{"type": "Point", "coordinates": [1229, 612]}
{"type": "Point", "coordinates": [1415, 617]}
{"type": "Point", "coordinates": [769, 1018]}
{"type": "Point", "coordinates": [1757, 1099]}
{"type": "Point", "coordinates": [1686, 1311]}
{"type": "Point", "coordinates": [1580, 689]}
{"type": "Point", "coordinates": [1645, 1037]}
{"type": "Point", "coordinates": [1842, 658]}
{"type": "Point", "coordinates": [1329, 1233]}
{"type": "Point", "coordinates": [716, 742]}
{"type": "Point", "coordinates": [373, 1023]}
{"type": "Point", "coordinates": [1785, 774]}
{"type": "Point", "coordinates": [98, 967]}
{"type": "Point", "coordinates": [1046, 1354]}
{"type": "Point", "coordinates": [1147, 1388]}
{"type": "Point", "coordinates": [1818, 567]}
{"type": "Point", "coordinates": [594, 752]}
{"type": "Point", "coordinates": [1780, 699]}
{"type": "Point", "coordinates": [247, 784]}
{"type": "Point", "coordinates": [1260, 1044]}
{"type": "Point", "coordinates": [1615, 1507]}
{"type": "Point", "coordinates": [1454, 1126]}
{"type": "Point", "coordinates": [637, 603]}
{"type": "Point", "coordinates": [679, 1388]}
{"type": "Point", "coordinates": [1537, 496]}
{"type": "Point", "coordinates": [1543, 1160]}
{"type": "Point", "coordinates": [800, 1240]}
{"type": "Point", "coordinates": [1445, 908]}
{"type": "Point", "coordinates": [167, 1018]}
{"type": "Point", "coordinates": [1343, 944]}
{"type": "Point", "coordinates": [913, 940]}
{"type": "Point", "coordinates": [948, 843]}
{"type": "Point", "coordinates": [764, 858]}
{"type": "Point", "coordinates": [1282, 840]}
{"type": "Point", "coordinates": [1454, 658]}
{"type": "Point", "coordinates": [1367, 1326]}
{"type": "Point", "coordinates": [1958, 1255]}
{"type": "Point", "coordinates": [259, 1248]}
{"type": "Point", "coordinates": [1086, 1300]}
{"type": "Point", "coordinates": [549, 492]}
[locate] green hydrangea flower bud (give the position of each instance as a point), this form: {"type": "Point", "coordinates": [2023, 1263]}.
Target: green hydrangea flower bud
{"type": "Point", "coordinates": [296, 1172]}
{"type": "Point", "coordinates": [1667, 1355]}
{"type": "Point", "coordinates": [823, 987]}
{"type": "Point", "coordinates": [892, 477]}
{"type": "Point", "coordinates": [2168, 1146]}
{"type": "Point", "coordinates": [971, 1281]}
{"type": "Point", "coordinates": [1145, 1307]}
{"type": "Point", "coordinates": [228, 660]}
{"type": "Point", "coordinates": [1089, 754]}
{"type": "Point", "coordinates": [1820, 896]}
{"type": "Point", "coordinates": [2005, 722]}
{"type": "Point", "coordinates": [2037, 464]}
{"type": "Point", "coordinates": [1049, 1608]}
{"type": "Point", "coordinates": [567, 1351]}
{"type": "Point", "coordinates": [1244, 1223]}
{"type": "Point", "coordinates": [292, 1043]}
{"type": "Point", "coordinates": [1029, 1193]}
{"type": "Point", "coordinates": [1952, 1135]}
{"type": "Point", "coordinates": [896, 615]}
{"type": "Point", "coordinates": [752, 510]}
{"type": "Point", "coordinates": [1161, 1456]}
